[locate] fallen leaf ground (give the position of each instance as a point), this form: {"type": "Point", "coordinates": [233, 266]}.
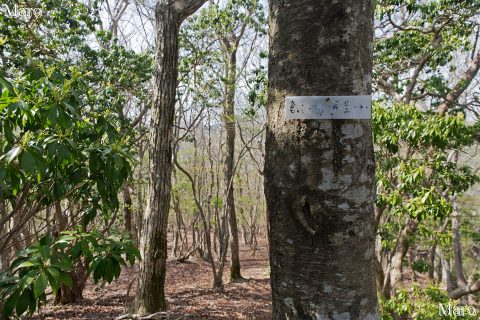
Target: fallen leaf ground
{"type": "Point", "coordinates": [189, 293]}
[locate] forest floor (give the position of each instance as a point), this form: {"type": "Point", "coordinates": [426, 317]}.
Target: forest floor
{"type": "Point", "coordinates": [188, 290]}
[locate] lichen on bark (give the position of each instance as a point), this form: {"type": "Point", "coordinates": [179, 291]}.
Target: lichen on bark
{"type": "Point", "coordinates": [320, 183]}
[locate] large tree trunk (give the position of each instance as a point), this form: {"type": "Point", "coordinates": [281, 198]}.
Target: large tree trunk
{"type": "Point", "coordinates": [319, 174]}
{"type": "Point", "coordinates": [229, 119]}
{"type": "Point", "coordinates": [150, 297]}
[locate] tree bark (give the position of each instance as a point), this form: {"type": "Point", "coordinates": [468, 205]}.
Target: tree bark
{"type": "Point", "coordinates": [471, 287]}
{"type": "Point", "coordinates": [457, 247]}
{"type": "Point", "coordinates": [461, 85]}
{"type": "Point", "coordinates": [4, 258]}
{"type": "Point", "coordinates": [150, 297]}
{"type": "Point", "coordinates": [72, 294]}
{"type": "Point", "coordinates": [431, 271]}
{"type": "Point", "coordinates": [446, 273]}
{"type": "Point", "coordinates": [319, 174]}
{"type": "Point", "coordinates": [229, 119]}
{"type": "Point", "coordinates": [127, 199]}
{"type": "Point", "coordinates": [399, 253]}
{"type": "Point", "coordinates": [61, 221]}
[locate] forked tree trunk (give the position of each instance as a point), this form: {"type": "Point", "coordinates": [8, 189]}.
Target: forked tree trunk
{"type": "Point", "coordinates": [150, 297]}
{"type": "Point", "coordinates": [72, 294]}
{"type": "Point", "coordinates": [401, 248]}
{"type": "Point", "coordinates": [319, 174]}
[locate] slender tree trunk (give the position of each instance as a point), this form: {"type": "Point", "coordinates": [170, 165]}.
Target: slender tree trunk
{"type": "Point", "coordinates": [244, 235]}
{"type": "Point", "coordinates": [411, 260]}
{"type": "Point", "coordinates": [457, 247]}
{"type": "Point", "coordinates": [319, 174]}
{"type": "Point", "coordinates": [140, 198]}
{"type": "Point", "coordinates": [437, 271]}
{"type": "Point", "coordinates": [431, 271]}
{"type": "Point", "coordinates": [175, 244]}
{"type": "Point", "coordinates": [127, 199]}
{"type": "Point", "coordinates": [446, 272]}
{"type": "Point", "coordinates": [61, 221]}
{"type": "Point", "coordinates": [176, 227]}
{"type": "Point", "coordinates": [4, 259]}
{"type": "Point", "coordinates": [150, 297]}
{"type": "Point", "coordinates": [194, 239]}
{"type": "Point", "coordinates": [380, 277]}
{"type": "Point", "coordinates": [229, 119]}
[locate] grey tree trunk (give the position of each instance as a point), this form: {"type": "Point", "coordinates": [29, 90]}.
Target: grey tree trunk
{"type": "Point", "coordinates": [229, 119]}
{"type": "Point", "coordinates": [446, 272]}
{"type": "Point", "coordinates": [473, 286]}
{"type": "Point", "coordinates": [319, 174]}
{"type": "Point", "coordinates": [457, 246]}
{"type": "Point", "coordinates": [150, 297]}
{"type": "Point", "coordinates": [396, 261]}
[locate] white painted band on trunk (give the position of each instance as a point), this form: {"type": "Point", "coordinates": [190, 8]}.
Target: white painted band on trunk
{"type": "Point", "coordinates": [328, 107]}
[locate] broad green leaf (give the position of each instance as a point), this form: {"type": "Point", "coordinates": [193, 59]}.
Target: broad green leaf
{"type": "Point", "coordinates": [8, 85]}
{"type": "Point", "coordinates": [45, 252]}
{"type": "Point", "coordinates": [46, 239]}
{"type": "Point", "coordinates": [12, 154]}
{"type": "Point", "coordinates": [27, 264]}
{"type": "Point", "coordinates": [27, 280]}
{"type": "Point", "coordinates": [64, 266]}
{"type": "Point", "coordinates": [9, 305]}
{"type": "Point", "coordinates": [40, 285]}
{"type": "Point", "coordinates": [27, 161]}
{"type": "Point", "coordinates": [7, 280]}
{"type": "Point", "coordinates": [23, 302]}
{"type": "Point", "coordinates": [7, 129]}
{"type": "Point", "coordinates": [66, 279]}
{"type": "Point", "coordinates": [53, 276]}
{"type": "Point", "coordinates": [109, 270]}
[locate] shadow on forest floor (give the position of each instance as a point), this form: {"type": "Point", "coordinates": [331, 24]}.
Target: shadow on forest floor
{"type": "Point", "coordinates": [189, 293]}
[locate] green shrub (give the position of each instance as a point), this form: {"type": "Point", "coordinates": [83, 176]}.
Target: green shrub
{"type": "Point", "coordinates": [430, 303]}
{"type": "Point", "coordinates": [48, 263]}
